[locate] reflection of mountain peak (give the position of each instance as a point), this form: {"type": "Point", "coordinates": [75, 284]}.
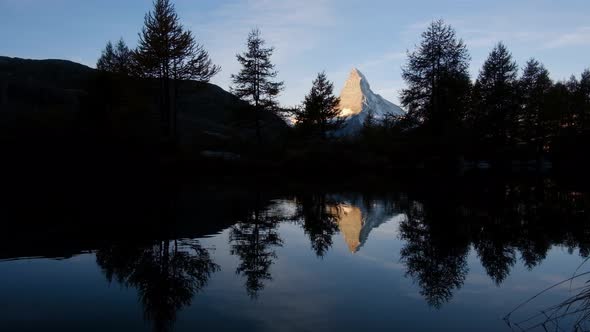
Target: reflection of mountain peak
{"type": "Point", "coordinates": [350, 222]}
{"type": "Point", "coordinates": [356, 224]}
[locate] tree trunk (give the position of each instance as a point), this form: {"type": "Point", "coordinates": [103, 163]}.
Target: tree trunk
{"type": "Point", "coordinates": [174, 111]}
{"type": "Point", "coordinates": [258, 131]}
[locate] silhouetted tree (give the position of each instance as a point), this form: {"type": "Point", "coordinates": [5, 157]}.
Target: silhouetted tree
{"type": "Point", "coordinates": [369, 122]}
{"type": "Point", "coordinates": [373, 131]}
{"type": "Point", "coordinates": [254, 83]}
{"type": "Point", "coordinates": [170, 53]}
{"type": "Point", "coordinates": [562, 110]}
{"type": "Point", "coordinates": [534, 85]}
{"type": "Point", "coordinates": [319, 113]}
{"type": "Point", "coordinates": [107, 60]}
{"type": "Point", "coordinates": [437, 76]}
{"type": "Point", "coordinates": [495, 97]}
{"type": "Point", "coordinates": [584, 96]}
{"type": "Point", "coordinates": [117, 59]}
{"type": "Point", "coordinates": [570, 115]}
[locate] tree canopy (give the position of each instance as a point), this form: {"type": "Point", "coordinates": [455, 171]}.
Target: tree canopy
{"type": "Point", "coordinates": [495, 96]}
{"type": "Point", "coordinates": [319, 113]}
{"type": "Point", "coordinates": [255, 82]}
{"type": "Point", "coordinates": [116, 59]}
{"type": "Point", "coordinates": [437, 78]}
{"type": "Point", "coordinates": [166, 50]}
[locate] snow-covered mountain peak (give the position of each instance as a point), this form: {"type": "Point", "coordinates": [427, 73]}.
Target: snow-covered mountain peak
{"type": "Point", "coordinates": [357, 100]}
{"type": "Point", "coordinates": [357, 76]}
{"type": "Point", "coordinates": [353, 94]}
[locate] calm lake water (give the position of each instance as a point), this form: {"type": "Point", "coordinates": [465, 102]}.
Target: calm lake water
{"type": "Point", "coordinates": [305, 259]}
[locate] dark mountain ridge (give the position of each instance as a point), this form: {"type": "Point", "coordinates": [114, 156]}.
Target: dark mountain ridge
{"type": "Point", "coordinates": [59, 96]}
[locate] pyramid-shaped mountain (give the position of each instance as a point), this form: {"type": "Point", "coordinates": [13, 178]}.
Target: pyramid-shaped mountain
{"type": "Point", "coordinates": [357, 101]}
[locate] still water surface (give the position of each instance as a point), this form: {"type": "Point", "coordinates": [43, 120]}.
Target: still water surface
{"type": "Point", "coordinates": [309, 261]}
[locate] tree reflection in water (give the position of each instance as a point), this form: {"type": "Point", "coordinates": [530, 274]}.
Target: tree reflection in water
{"type": "Point", "coordinates": [502, 223]}
{"type": "Point", "coordinates": [254, 240]}
{"type": "Point", "coordinates": [166, 274]}
{"type": "Point", "coordinates": [319, 220]}
{"type": "Point", "coordinates": [434, 260]}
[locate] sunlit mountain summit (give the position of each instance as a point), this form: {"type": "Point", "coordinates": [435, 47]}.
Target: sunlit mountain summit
{"type": "Point", "coordinates": [357, 101]}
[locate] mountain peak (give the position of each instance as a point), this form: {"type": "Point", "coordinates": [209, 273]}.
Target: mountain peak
{"type": "Point", "coordinates": [353, 94]}
{"type": "Point", "coordinates": [357, 100]}
{"type": "Point", "coordinates": [356, 72]}
{"type": "Point", "coordinates": [356, 77]}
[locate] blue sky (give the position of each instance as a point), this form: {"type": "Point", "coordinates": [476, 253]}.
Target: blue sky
{"type": "Point", "coordinates": [311, 35]}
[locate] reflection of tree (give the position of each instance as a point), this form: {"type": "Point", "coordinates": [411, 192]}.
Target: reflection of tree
{"type": "Point", "coordinates": [493, 241]}
{"type": "Point", "coordinates": [166, 274]}
{"type": "Point", "coordinates": [435, 258]}
{"type": "Point", "coordinates": [253, 241]}
{"type": "Point", "coordinates": [319, 221]}
{"type": "Point", "coordinates": [497, 258]}
{"type": "Point", "coordinates": [501, 222]}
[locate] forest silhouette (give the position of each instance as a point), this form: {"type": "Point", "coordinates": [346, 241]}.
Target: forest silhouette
{"type": "Point", "coordinates": [133, 159]}
{"type": "Point", "coordinates": [153, 106]}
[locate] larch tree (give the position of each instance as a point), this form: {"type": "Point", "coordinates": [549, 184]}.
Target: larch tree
{"type": "Point", "coordinates": [495, 97]}
{"type": "Point", "coordinates": [437, 79]}
{"type": "Point", "coordinates": [570, 118]}
{"type": "Point", "coordinates": [535, 85]}
{"type": "Point", "coordinates": [584, 93]}
{"type": "Point", "coordinates": [169, 53]}
{"type": "Point", "coordinates": [319, 114]}
{"type": "Point", "coordinates": [255, 81]}
{"type": "Point", "coordinates": [116, 59]}
{"type": "Point", "coordinates": [106, 62]}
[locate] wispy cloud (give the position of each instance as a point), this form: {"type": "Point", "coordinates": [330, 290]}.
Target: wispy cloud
{"type": "Point", "coordinates": [291, 26]}
{"type": "Point", "coordinates": [580, 36]}
{"type": "Point", "coordinates": [389, 57]}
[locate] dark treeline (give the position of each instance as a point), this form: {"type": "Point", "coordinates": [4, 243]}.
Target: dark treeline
{"type": "Point", "coordinates": [506, 118]}
{"type": "Point", "coordinates": [152, 105]}
{"type": "Point", "coordinates": [510, 118]}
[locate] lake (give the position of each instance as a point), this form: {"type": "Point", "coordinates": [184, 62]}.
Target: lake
{"type": "Point", "coordinates": [429, 257]}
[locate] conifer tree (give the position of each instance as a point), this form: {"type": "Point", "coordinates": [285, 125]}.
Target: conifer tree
{"type": "Point", "coordinates": [170, 53]}
{"type": "Point", "coordinates": [584, 93]}
{"type": "Point", "coordinates": [495, 97]}
{"type": "Point", "coordinates": [437, 76]}
{"type": "Point", "coordinates": [534, 85]}
{"type": "Point", "coordinates": [255, 81]}
{"type": "Point", "coordinates": [106, 62]}
{"type": "Point", "coordinates": [571, 116]}
{"type": "Point", "coordinates": [116, 59]}
{"type": "Point", "coordinates": [319, 114]}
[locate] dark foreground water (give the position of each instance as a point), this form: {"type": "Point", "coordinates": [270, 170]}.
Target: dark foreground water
{"type": "Point", "coordinates": [304, 259]}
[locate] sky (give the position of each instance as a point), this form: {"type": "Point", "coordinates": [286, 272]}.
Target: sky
{"type": "Point", "coordinates": [311, 36]}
